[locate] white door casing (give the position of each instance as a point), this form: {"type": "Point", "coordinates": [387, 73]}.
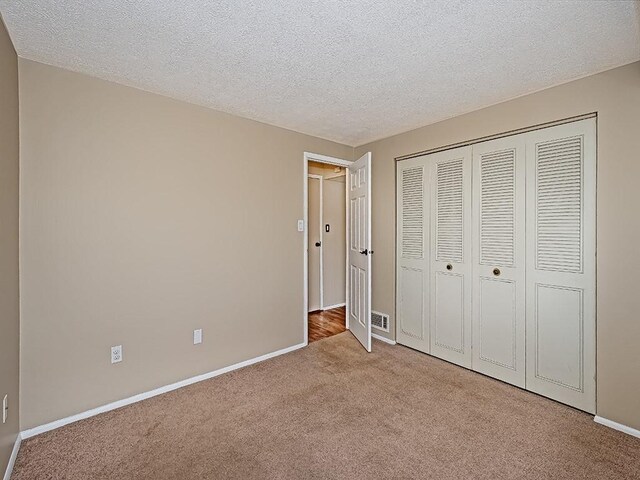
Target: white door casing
{"type": "Point", "coordinates": [561, 263]}
{"type": "Point", "coordinates": [314, 237]}
{"type": "Point", "coordinates": [450, 252]}
{"type": "Point", "coordinates": [499, 259]}
{"type": "Point", "coordinates": [412, 261]}
{"type": "Point", "coordinates": [359, 264]}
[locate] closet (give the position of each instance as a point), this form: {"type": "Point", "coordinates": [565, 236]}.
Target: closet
{"type": "Point", "coordinates": [496, 259]}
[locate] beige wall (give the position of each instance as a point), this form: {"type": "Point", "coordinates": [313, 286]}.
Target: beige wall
{"type": "Point", "coordinates": [615, 95]}
{"type": "Point", "coordinates": [144, 218]}
{"type": "Point", "coordinates": [9, 300]}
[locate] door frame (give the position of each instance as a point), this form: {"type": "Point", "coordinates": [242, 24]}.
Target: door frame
{"type": "Point", "coordinates": [339, 162]}
{"type": "Point", "coordinates": [321, 230]}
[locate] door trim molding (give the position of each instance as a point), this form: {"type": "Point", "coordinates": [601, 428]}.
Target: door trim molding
{"type": "Point", "coordinates": [306, 158]}
{"type": "Point", "coordinates": [31, 432]}
{"type": "Point", "coordinates": [617, 426]}
{"type": "Point", "coordinates": [486, 138]}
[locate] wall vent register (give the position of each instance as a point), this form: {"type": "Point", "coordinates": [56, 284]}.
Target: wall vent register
{"type": "Point", "coordinates": [380, 321]}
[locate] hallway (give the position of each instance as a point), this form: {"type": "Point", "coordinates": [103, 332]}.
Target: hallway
{"type": "Point", "coordinates": [324, 324]}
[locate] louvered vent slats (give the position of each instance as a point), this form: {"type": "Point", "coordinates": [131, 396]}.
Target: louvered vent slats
{"type": "Point", "coordinates": [497, 204]}
{"type": "Point", "coordinates": [559, 205]}
{"type": "Point", "coordinates": [449, 224]}
{"type": "Point", "coordinates": [412, 212]}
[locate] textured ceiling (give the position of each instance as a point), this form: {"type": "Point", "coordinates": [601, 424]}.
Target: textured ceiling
{"type": "Point", "coordinates": [350, 71]}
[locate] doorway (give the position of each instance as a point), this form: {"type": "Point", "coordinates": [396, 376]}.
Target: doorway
{"type": "Point", "coordinates": [327, 250]}
{"type": "Point", "coordinates": [337, 247]}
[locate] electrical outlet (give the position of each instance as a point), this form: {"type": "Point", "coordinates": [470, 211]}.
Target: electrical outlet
{"type": "Point", "coordinates": [5, 408]}
{"type": "Point", "coordinates": [197, 336]}
{"type": "Point", "coordinates": [116, 354]}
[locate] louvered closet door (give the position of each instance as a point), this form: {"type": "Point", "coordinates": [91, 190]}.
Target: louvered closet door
{"type": "Point", "coordinates": [561, 172]}
{"type": "Point", "coordinates": [412, 282]}
{"type": "Point", "coordinates": [450, 252]}
{"type": "Point", "coordinates": [499, 259]}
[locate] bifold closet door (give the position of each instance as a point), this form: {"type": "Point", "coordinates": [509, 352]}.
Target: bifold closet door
{"type": "Point", "coordinates": [412, 267]}
{"type": "Point", "coordinates": [561, 233]}
{"type": "Point", "coordinates": [499, 259]}
{"type": "Point", "coordinates": [450, 255]}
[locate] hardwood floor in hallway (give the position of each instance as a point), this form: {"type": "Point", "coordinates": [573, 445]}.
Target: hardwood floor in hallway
{"type": "Point", "coordinates": [324, 324]}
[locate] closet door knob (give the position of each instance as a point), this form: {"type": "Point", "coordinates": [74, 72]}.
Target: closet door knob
{"type": "Point", "coordinates": [449, 266]}
{"type": "Point", "coordinates": [496, 272]}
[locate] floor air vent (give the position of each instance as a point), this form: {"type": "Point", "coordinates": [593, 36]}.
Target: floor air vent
{"type": "Point", "coordinates": [380, 321]}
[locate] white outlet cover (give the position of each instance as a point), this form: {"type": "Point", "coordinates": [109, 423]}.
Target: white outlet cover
{"type": "Point", "coordinates": [116, 354]}
{"type": "Point", "coordinates": [197, 336]}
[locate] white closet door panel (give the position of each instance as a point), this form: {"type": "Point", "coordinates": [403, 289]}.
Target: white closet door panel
{"type": "Point", "coordinates": [412, 281]}
{"type": "Point", "coordinates": [559, 335]}
{"type": "Point", "coordinates": [411, 313]}
{"type": "Point", "coordinates": [412, 212]}
{"type": "Point", "coordinates": [450, 218]}
{"type": "Point", "coordinates": [448, 319]}
{"type": "Point", "coordinates": [497, 325]}
{"type": "Point", "coordinates": [499, 259]}
{"type": "Point", "coordinates": [561, 183]}
{"type": "Point", "coordinates": [450, 252]}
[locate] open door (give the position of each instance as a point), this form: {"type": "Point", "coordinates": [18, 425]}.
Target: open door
{"type": "Point", "coordinates": [359, 279]}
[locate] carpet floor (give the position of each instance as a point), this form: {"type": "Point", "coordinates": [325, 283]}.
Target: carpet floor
{"type": "Point", "coordinates": [332, 411]}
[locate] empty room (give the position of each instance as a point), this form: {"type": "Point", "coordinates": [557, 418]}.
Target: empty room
{"type": "Point", "coordinates": [319, 240]}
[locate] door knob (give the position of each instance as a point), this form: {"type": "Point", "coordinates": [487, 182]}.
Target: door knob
{"type": "Point", "coordinates": [496, 272]}
{"type": "Point", "coordinates": [364, 252]}
{"type": "Point", "coordinates": [318, 244]}
{"type": "Point", "coordinates": [449, 266]}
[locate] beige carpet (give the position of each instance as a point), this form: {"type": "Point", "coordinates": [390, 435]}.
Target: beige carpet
{"type": "Point", "coordinates": [332, 411]}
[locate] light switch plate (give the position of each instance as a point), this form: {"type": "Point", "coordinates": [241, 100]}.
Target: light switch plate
{"type": "Point", "coordinates": [5, 408]}
{"type": "Point", "coordinates": [301, 225]}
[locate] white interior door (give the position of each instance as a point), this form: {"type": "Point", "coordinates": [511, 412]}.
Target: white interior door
{"type": "Point", "coordinates": [359, 301]}
{"type": "Point", "coordinates": [412, 262]}
{"type": "Point", "coordinates": [499, 259]}
{"type": "Point", "coordinates": [315, 242]}
{"type": "Point", "coordinates": [450, 252]}
{"type": "Point", "coordinates": [561, 263]}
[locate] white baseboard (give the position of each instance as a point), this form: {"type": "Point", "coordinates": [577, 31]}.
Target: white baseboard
{"type": "Point", "coordinates": [152, 393]}
{"type": "Point", "coordinates": [12, 458]}
{"type": "Point", "coordinates": [616, 426]}
{"type": "Point", "coordinates": [383, 339]}
{"type": "Point", "coordinates": [337, 305]}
